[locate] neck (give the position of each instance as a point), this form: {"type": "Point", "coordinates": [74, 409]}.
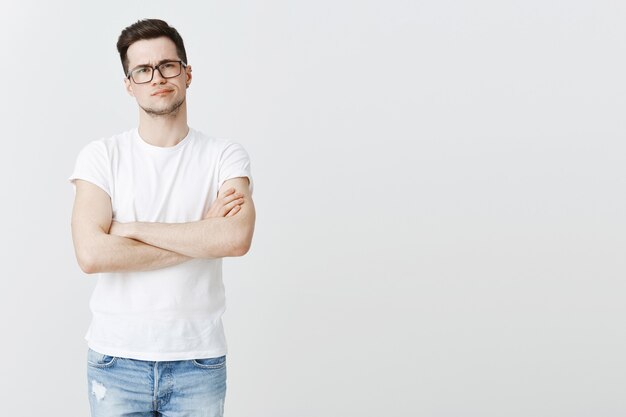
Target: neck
{"type": "Point", "coordinates": [164, 130]}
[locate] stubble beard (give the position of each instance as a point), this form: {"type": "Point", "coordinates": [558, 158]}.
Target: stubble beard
{"type": "Point", "coordinates": [170, 111]}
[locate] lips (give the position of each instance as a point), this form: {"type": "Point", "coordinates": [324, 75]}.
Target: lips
{"type": "Point", "coordinates": [162, 91]}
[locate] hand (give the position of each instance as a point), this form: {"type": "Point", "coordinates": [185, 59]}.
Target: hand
{"type": "Point", "coordinates": [226, 205]}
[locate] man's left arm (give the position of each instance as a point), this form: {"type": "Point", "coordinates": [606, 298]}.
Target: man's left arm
{"type": "Point", "coordinates": [214, 237]}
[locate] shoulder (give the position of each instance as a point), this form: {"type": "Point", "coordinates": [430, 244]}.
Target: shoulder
{"type": "Point", "coordinates": [219, 142]}
{"type": "Point", "coordinates": [107, 146]}
{"type": "Point", "coordinates": [208, 140]}
{"type": "Point", "coordinates": [119, 140]}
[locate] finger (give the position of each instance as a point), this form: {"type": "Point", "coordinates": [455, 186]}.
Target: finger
{"type": "Point", "coordinates": [234, 211]}
{"type": "Point", "coordinates": [233, 203]}
{"type": "Point", "coordinates": [228, 207]}
{"type": "Point", "coordinates": [228, 199]}
{"type": "Point", "coordinates": [228, 192]}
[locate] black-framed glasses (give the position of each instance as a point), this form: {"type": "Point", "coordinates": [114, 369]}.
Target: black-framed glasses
{"type": "Point", "coordinates": [144, 73]}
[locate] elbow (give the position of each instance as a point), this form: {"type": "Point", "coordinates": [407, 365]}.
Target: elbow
{"type": "Point", "coordinates": [242, 244]}
{"type": "Point", "coordinates": [87, 263]}
{"type": "Point", "coordinates": [89, 253]}
{"type": "Point", "coordinates": [87, 267]}
{"type": "Point", "coordinates": [90, 271]}
{"type": "Point", "coordinates": [241, 249]}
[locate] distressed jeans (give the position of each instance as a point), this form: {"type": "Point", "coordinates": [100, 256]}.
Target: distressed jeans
{"type": "Point", "coordinates": [129, 387]}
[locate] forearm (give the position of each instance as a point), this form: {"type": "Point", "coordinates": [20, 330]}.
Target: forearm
{"type": "Point", "coordinates": [111, 253]}
{"type": "Point", "coordinates": [219, 234]}
{"type": "Point", "coordinates": [209, 238]}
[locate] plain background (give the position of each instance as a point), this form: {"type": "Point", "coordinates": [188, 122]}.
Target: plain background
{"type": "Point", "coordinates": [439, 189]}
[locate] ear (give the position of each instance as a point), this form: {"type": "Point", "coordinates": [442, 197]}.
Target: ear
{"type": "Point", "coordinates": [188, 75]}
{"type": "Point", "coordinates": [128, 87]}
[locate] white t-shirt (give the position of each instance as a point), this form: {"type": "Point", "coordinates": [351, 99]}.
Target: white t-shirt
{"type": "Point", "coordinates": [173, 313]}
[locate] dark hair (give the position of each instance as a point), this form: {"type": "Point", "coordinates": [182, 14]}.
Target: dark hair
{"type": "Point", "coordinates": [148, 29]}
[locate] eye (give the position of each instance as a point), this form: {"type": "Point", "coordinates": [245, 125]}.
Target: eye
{"type": "Point", "coordinates": [167, 65]}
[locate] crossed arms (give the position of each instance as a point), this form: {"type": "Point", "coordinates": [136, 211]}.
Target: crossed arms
{"type": "Point", "coordinates": [104, 245]}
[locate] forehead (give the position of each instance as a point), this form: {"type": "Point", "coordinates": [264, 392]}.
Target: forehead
{"type": "Point", "coordinates": [151, 51]}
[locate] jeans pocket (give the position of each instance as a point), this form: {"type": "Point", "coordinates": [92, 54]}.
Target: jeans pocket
{"type": "Point", "coordinates": [100, 360]}
{"type": "Point", "coordinates": [210, 363]}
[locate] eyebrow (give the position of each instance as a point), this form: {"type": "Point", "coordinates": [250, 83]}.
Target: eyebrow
{"type": "Point", "coordinates": [157, 64]}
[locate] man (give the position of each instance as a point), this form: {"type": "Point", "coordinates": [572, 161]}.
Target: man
{"type": "Point", "coordinates": [156, 208]}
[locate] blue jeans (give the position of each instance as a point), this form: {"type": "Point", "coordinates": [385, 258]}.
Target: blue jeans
{"type": "Point", "coordinates": [129, 387]}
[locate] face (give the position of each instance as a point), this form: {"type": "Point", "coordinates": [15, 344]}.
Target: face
{"type": "Point", "coordinates": [161, 96]}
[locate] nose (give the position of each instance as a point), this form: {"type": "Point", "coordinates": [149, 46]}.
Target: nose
{"type": "Point", "coordinates": [157, 77]}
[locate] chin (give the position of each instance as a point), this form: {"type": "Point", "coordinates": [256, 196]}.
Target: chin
{"type": "Point", "coordinates": [165, 110]}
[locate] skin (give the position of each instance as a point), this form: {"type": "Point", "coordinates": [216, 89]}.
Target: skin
{"type": "Point", "coordinates": [170, 126]}
{"type": "Point", "coordinates": [104, 245]}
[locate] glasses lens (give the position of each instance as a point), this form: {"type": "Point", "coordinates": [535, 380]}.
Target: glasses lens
{"type": "Point", "coordinates": [170, 69]}
{"type": "Point", "coordinates": [141, 74]}
{"type": "Point", "coordinates": [167, 70]}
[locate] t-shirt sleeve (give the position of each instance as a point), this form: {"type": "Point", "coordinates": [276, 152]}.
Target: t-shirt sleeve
{"type": "Point", "coordinates": [92, 164]}
{"type": "Point", "coordinates": [234, 163]}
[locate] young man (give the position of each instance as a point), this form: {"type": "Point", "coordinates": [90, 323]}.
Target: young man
{"type": "Point", "coordinates": [156, 209]}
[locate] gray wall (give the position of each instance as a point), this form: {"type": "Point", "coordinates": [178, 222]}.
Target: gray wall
{"type": "Point", "coordinates": [439, 189]}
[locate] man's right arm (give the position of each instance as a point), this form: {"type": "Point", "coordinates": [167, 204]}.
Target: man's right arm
{"type": "Point", "coordinates": [97, 250]}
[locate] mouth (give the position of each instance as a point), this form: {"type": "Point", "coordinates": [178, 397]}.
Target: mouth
{"type": "Point", "coordinates": [162, 92]}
